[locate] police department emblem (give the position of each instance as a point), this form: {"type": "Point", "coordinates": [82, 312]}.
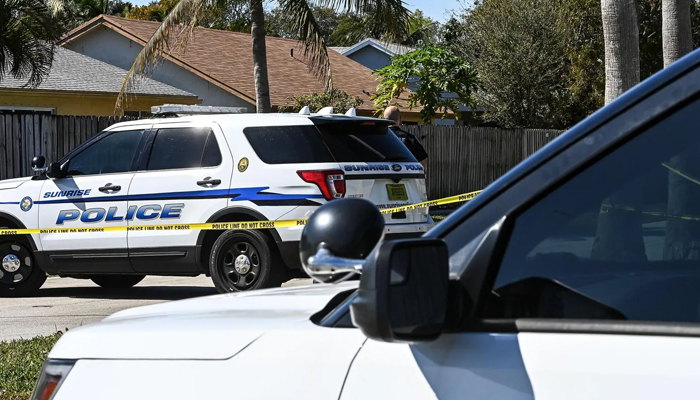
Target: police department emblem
{"type": "Point", "coordinates": [26, 204]}
{"type": "Point", "coordinates": [243, 164]}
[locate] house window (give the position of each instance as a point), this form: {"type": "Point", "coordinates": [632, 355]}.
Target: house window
{"type": "Point", "coordinates": [27, 110]}
{"type": "Point", "coordinates": [137, 114]}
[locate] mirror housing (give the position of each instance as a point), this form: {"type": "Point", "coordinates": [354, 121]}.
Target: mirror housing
{"type": "Point", "coordinates": [38, 163]}
{"type": "Point", "coordinates": [403, 291]}
{"type": "Point", "coordinates": [57, 171]}
{"type": "Point", "coordinates": [338, 237]}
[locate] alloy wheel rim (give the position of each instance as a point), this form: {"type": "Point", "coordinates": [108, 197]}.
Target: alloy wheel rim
{"type": "Point", "coordinates": [241, 265]}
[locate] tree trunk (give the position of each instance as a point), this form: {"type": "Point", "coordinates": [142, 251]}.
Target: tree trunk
{"type": "Point", "coordinates": [676, 33]}
{"type": "Point", "coordinates": [619, 233]}
{"type": "Point", "coordinates": [621, 36]}
{"type": "Point", "coordinates": [262, 85]}
{"type": "Point", "coordinates": [682, 241]}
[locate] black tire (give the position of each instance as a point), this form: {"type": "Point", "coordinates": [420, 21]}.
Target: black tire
{"type": "Point", "coordinates": [265, 269]}
{"type": "Point", "coordinates": [117, 281]}
{"type": "Point", "coordinates": [27, 278]}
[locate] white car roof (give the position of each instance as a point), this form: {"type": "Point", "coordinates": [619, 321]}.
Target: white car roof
{"type": "Point", "coordinates": [247, 119]}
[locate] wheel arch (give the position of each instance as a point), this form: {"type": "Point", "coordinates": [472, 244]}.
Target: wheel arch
{"type": "Point", "coordinates": [18, 225]}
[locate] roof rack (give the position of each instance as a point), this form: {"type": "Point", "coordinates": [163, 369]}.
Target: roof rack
{"type": "Point", "coordinates": [174, 110]}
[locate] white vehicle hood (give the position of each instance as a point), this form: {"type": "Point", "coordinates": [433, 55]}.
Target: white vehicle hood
{"type": "Point", "coordinates": [205, 328]}
{"type": "Point", "coordinates": [13, 183]}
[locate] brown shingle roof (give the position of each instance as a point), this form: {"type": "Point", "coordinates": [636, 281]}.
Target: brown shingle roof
{"type": "Point", "coordinates": [225, 59]}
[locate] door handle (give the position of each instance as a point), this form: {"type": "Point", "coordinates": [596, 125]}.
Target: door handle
{"type": "Point", "coordinates": [209, 181]}
{"type": "Point", "coordinates": [110, 189]}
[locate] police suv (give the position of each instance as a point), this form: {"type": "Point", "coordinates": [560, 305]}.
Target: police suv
{"type": "Point", "coordinates": [182, 168]}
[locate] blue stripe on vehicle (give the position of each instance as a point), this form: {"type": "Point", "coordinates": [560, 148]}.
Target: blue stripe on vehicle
{"type": "Point", "coordinates": [10, 202]}
{"type": "Point", "coordinates": [240, 194]}
{"type": "Point", "coordinates": [256, 193]}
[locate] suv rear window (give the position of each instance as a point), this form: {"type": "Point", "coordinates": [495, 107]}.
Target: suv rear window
{"type": "Point", "coordinates": [354, 142]}
{"type": "Point", "coordinates": [327, 142]}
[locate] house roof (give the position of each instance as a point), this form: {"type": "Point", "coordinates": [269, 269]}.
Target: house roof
{"type": "Point", "coordinates": [75, 72]}
{"type": "Point", "coordinates": [225, 59]}
{"type": "Point", "coordinates": [392, 49]}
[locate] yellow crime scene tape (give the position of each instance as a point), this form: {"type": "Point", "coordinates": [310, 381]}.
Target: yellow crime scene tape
{"type": "Point", "coordinates": [225, 226]}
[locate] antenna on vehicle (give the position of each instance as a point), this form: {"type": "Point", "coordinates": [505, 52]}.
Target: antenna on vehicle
{"type": "Point", "coordinates": [351, 112]}
{"type": "Point", "coordinates": [325, 111]}
{"type": "Point", "coordinates": [305, 110]}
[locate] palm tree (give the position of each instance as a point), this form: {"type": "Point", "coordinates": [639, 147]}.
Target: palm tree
{"type": "Point", "coordinates": [181, 22]}
{"type": "Point", "coordinates": [619, 233]}
{"type": "Point", "coordinates": [28, 32]}
{"type": "Point", "coordinates": [682, 241]}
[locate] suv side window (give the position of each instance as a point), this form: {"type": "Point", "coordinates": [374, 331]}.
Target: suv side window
{"type": "Point", "coordinates": [114, 153]}
{"type": "Point", "coordinates": [620, 240]}
{"type": "Point", "coordinates": [181, 148]}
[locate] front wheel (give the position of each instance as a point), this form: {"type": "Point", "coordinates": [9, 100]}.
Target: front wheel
{"type": "Point", "coordinates": [244, 260]}
{"type": "Point", "coordinates": [117, 281]}
{"type": "Point", "coordinates": [19, 274]}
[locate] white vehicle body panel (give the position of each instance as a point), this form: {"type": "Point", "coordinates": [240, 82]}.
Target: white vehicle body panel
{"type": "Point", "coordinates": [264, 345]}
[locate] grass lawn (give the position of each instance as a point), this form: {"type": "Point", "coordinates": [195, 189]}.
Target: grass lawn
{"type": "Point", "coordinates": [20, 365]}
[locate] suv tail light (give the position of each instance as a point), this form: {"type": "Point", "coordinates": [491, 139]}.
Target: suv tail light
{"type": "Point", "coordinates": [331, 182]}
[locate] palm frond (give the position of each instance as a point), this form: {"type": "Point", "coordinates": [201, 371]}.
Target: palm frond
{"type": "Point", "coordinates": [308, 31]}
{"type": "Point", "coordinates": [393, 14]}
{"type": "Point", "coordinates": [56, 6]}
{"type": "Point", "coordinates": [174, 32]}
{"type": "Point", "coordinates": [27, 43]}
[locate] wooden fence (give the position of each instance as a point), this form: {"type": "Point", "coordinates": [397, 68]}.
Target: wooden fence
{"type": "Point", "coordinates": [461, 158]}
{"type": "Point", "coordinates": [24, 136]}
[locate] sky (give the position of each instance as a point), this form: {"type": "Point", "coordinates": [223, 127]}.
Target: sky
{"type": "Point", "coordinates": [438, 10]}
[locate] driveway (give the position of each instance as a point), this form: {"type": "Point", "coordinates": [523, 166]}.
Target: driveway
{"type": "Point", "coordinates": [66, 303]}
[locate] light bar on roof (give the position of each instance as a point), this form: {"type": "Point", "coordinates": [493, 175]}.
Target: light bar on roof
{"type": "Point", "coordinates": [188, 109]}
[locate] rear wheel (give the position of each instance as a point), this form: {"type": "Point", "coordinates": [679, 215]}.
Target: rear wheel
{"type": "Point", "coordinates": [244, 260]}
{"type": "Point", "coordinates": [19, 273]}
{"type": "Point", "coordinates": [117, 281]}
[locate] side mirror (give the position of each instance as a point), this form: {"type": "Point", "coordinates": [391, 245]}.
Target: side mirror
{"type": "Point", "coordinates": [404, 285]}
{"type": "Point", "coordinates": [403, 295]}
{"type": "Point", "coordinates": [38, 163]}
{"type": "Point", "coordinates": [56, 171]}
{"type": "Point", "coordinates": [338, 237]}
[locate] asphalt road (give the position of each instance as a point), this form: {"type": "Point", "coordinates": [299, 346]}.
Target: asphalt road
{"type": "Point", "coordinates": [66, 303]}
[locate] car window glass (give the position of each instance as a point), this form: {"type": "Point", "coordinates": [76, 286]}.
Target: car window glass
{"type": "Point", "coordinates": [212, 154]}
{"type": "Point", "coordinates": [112, 154]}
{"type": "Point", "coordinates": [620, 240]}
{"type": "Point", "coordinates": [178, 148]}
{"type": "Point", "coordinates": [288, 144]}
{"type": "Point", "coordinates": [356, 142]}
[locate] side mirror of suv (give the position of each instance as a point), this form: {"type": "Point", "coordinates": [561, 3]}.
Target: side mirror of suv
{"type": "Point", "coordinates": [38, 163]}
{"type": "Point", "coordinates": [57, 171]}
{"type": "Point", "coordinates": [403, 291]}
{"type": "Point", "coordinates": [404, 284]}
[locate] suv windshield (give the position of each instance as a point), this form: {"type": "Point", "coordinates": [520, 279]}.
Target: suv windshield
{"type": "Point", "coordinates": [346, 141]}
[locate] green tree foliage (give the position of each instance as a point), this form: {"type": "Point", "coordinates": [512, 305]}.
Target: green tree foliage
{"type": "Point", "coordinates": [278, 24]}
{"type": "Point", "coordinates": [429, 72]}
{"type": "Point", "coordinates": [519, 48]}
{"type": "Point", "coordinates": [541, 63]}
{"type": "Point", "coordinates": [354, 27]}
{"type": "Point", "coordinates": [338, 99]}
{"type": "Point", "coordinates": [28, 32]}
